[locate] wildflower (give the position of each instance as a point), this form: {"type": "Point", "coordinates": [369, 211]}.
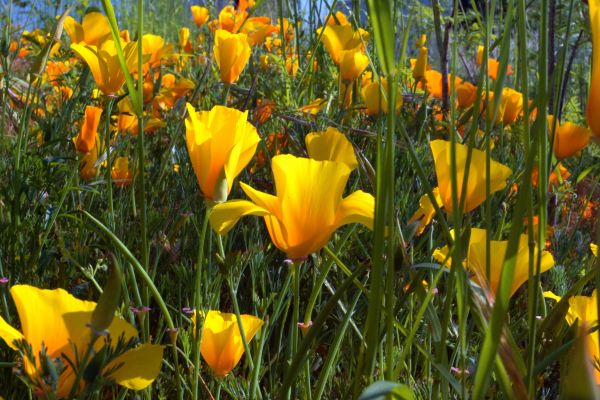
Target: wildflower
{"type": "Point", "coordinates": [476, 184]}
{"type": "Point", "coordinates": [420, 64]}
{"type": "Point", "coordinates": [493, 64]}
{"type": "Point", "coordinates": [375, 102]}
{"type": "Point", "coordinates": [338, 38]}
{"type": "Point", "coordinates": [87, 166]}
{"type": "Point", "coordinates": [93, 30]}
{"type": "Point", "coordinates": [339, 18]}
{"type": "Point", "coordinates": [420, 42]}
{"type": "Point", "coordinates": [314, 106]}
{"type": "Point", "coordinates": [185, 45]}
{"type": "Point", "coordinates": [511, 106]}
{"type": "Point", "coordinates": [585, 310]}
{"type": "Point", "coordinates": [594, 249]}
{"type": "Point", "coordinates": [222, 346]}
{"type": "Point", "coordinates": [332, 145]}
{"type": "Point", "coordinates": [466, 94]}
{"type": "Point", "coordinates": [257, 29]}
{"type": "Point", "coordinates": [220, 143]}
{"type": "Point", "coordinates": [104, 64]}
{"type": "Point", "coordinates": [593, 104]}
{"type": "Point", "coordinates": [569, 139]}
{"type": "Point", "coordinates": [475, 261]}
{"type": "Point", "coordinates": [86, 140]}
{"type": "Point", "coordinates": [555, 179]}
{"type": "Point", "coordinates": [263, 111]}
{"type": "Point", "coordinates": [307, 208]}
{"type": "Point", "coordinates": [200, 15]}
{"type": "Point", "coordinates": [230, 19]}
{"type": "Point", "coordinates": [352, 64]}
{"type": "Point", "coordinates": [57, 322]}
{"type": "Point", "coordinates": [120, 172]}
{"type": "Point", "coordinates": [232, 53]}
{"type": "Point", "coordinates": [291, 65]}
{"type": "Point", "coordinates": [154, 47]}
{"type": "Point", "coordinates": [433, 83]}
{"type": "Point", "coordinates": [426, 211]}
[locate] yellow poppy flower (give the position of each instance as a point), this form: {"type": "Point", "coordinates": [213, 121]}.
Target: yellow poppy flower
{"type": "Point", "coordinates": [200, 15]}
{"type": "Point", "coordinates": [60, 323]}
{"type": "Point", "coordinates": [466, 94]}
{"type": "Point", "coordinates": [593, 105]}
{"type": "Point", "coordinates": [420, 64]}
{"type": "Point", "coordinates": [492, 64]}
{"type": "Point", "coordinates": [353, 63]}
{"type": "Point", "coordinates": [307, 208]}
{"type": "Point", "coordinates": [93, 30]}
{"type": "Point", "coordinates": [232, 53]}
{"type": "Point", "coordinates": [426, 211]}
{"type": "Point", "coordinates": [257, 29]}
{"type": "Point", "coordinates": [87, 165]}
{"type": "Point", "coordinates": [339, 19]}
{"type": "Point", "coordinates": [375, 102]}
{"type": "Point", "coordinates": [475, 192]}
{"type": "Point", "coordinates": [475, 262]}
{"type": "Point", "coordinates": [230, 19]}
{"type": "Point", "coordinates": [86, 140]}
{"type": "Point", "coordinates": [120, 172]}
{"type": "Point", "coordinates": [511, 106]}
{"type": "Point", "coordinates": [314, 106]}
{"type": "Point", "coordinates": [338, 38]}
{"type": "Point", "coordinates": [154, 47]}
{"type": "Point", "coordinates": [594, 249]}
{"type": "Point", "coordinates": [331, 145]}
{"type": "Point", "coordinates": [220, 143]}
{"type": "Point", "coordinates": [585, 310]}
{"type": "Point", "coordinates": [222, 346]}
{"type": "Point", "coordinates": [569, 139]}
{"type": "Point", "coordinates": [104, 64]}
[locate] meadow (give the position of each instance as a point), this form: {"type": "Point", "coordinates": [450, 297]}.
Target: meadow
{"type": "Point", "coordinates": [309, 199]}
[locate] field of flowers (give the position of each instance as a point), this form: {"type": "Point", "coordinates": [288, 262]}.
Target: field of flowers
{"type": "Point", "coordinates": [317, 199]}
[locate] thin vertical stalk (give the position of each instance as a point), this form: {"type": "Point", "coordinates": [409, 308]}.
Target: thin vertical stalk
{"type": "Point", "coordinates": [198, 303]}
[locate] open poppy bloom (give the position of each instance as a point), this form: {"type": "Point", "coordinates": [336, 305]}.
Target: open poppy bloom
{"type": "Point", "coordinates": [104, 63]}
{"type": "Point", "coordinates": [232, 53]}
{"type": "Point", "coordinates": [338, 38]}
{"type": "Point", "coordinates": [222, 346]}
{"type": "Point", "coordinates": [475, 192]}
{"type": "Point", "coordinates": [307, 208]}
{"type": "Point", "coordinates": [86, 140]}
{"type": "Point", "coordinates": [257, 29]}
{"type": "Point", "coordinates": [593, 105]}
{"type": "Point", "coordinates": [475, 262]}
{"type": "Point", "coordinates": [220, 143]}
{"type": "Point", "coordinates": [569, 139]}
{"type": "Point", "coordinates": [59, 324]}
{"type": "Point", "coordinates": [93, 30]}
{"type": "Point", "coordinates": [200, 15]}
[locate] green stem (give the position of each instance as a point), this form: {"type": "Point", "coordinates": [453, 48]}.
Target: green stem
{"type": "Point", "coordinates": [198, 302]}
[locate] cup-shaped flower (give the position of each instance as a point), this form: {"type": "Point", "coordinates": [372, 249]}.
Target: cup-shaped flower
{"type": "Point", "coordinates": [585, 310]}
{"type": "Point", "coordinates": [330, 145]}
{"type": "Point", "coordinates": [232, 53]}
{"type": "Point", "coordinates": [104, 63]}
{"type": "Point", "coordinates": [338, 38]}
{"type": "Point", "coordinates": [475, 262]}
{"type": "Point", "coordinates": [220, 143]}
{"type": "Point", "coordinates": [476, 180]}
{"type": "Point", "coordinates": [93, 30]}
{"type": "Point", "coordinates": [375, 101]}
{"type": "Point", "coordinates": [59, 322]}
{"type": "Point", "coordinates": [222, 346]}
{"type": "Point", "coordinates": [86, 140]}
{"type": "Point", "coordinates": [200, 15]}
{"type": "Point", "coordinates": [466, 94]}
{"type": "Point", "coordinates": [307, 208]}
{"type": "Point", "coordinates": [353, 63]}
{"type": "Point", "coordinates": [593, 104]}
{"type": "Point", "coordinates": [569, 139]}
{"type": "Point", "coordinates": [120, 172]}
{"type": "Point", "coordinates": [154, 47]}
{"type": "Point", "coordinates": [257, 29]}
